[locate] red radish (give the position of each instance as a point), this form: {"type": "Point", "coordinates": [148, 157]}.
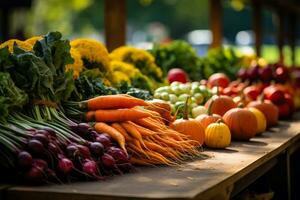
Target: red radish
{"type": "Point", "coordinates": [72, 151]}
{"type": "Point", "coordinates": [90, 167]}
{"type": "Point", "coordinates": [84, 151]}
{"type": "Point", "coordinates": [24, 159]}
{"type": "Point", "coordinates": [218, 79]}
{"type": "Point", "coordinates": [243, 74]}
{"type": "Point", "coordinates": [177, 74]}
{"type": "Point", "coordinates": [104, 140]}
{"type": "Point", "coordinates": [266, 74]}
{"type": "Point", "coordinates": [281, 74]}
{"type": "Point", "coordinates": [252, 72]}
{"type": "Point", "coordinates": [284, 110]}
{"type": "Point", "coordinates": [65, 165]}
{"type": "Point", "coordinates": [35, 175]}
{"type": "Point", "coordinates": [35, 146]}
{"type": "Point", "coordinates": [274, 94]}
{"type": "Point", "coordinates": [97, 148]}
{"type": "Point", "coordinates": [50, 131]}
{"type": "Point", "coordinates": [108, 161]}
{"type": "Point", "coordinates": [251, 92]}
{"type": "Point", "coordinates": [203, 82]}
{"type": "Point", "coordinates": [118, 154]}
{"type": "Point", "coordinates": [39, 163]}
{"type": "Point", "coordinates": [42, 138]}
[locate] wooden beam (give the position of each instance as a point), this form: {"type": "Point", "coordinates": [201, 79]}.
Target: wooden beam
{"type": "Point", "coordinates": [115, 23]}
{"type": "Point", "coordinates": [292, 34]}
{"type": "Point", "coordinates": [279, 23]}
{"type": "Point", "coordinates": [216, 22]}
{"type": "Point", "coordinates": [256, 24]}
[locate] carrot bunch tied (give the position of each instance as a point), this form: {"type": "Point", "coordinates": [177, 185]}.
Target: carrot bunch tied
{"type": "Point", "coordinates": [139, 127]}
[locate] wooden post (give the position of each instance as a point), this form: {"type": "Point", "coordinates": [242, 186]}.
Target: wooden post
{"type": "Point", "coordinates": [216, 22]}
{"type": "Point", "coordinates": [4, 25]}
{"type": "Point", "coordinates": [280, 32]}
{"type": "Point", "coordinates": [115, 23]}
{"type": "Point", "coordinates": [256, 24]}
{"type": "Point", "coordinates": [292, 34]}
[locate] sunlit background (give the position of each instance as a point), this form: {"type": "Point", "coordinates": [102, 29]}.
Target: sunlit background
{"type": "Point", "coordinates": [148, 21]}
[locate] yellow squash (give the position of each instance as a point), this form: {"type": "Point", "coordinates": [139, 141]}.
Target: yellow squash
{"type": "Point", "coordinates": [217, 135]}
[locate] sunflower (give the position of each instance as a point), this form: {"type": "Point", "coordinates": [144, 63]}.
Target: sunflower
{"type": "Point", "coordinates": [21, 44]}
{"type": "Point", "coordinates": [77, 66]}
{"type": "Point", "coordinates": [140, 58]}
{"type": "Point", "coordinates": [93, 53]}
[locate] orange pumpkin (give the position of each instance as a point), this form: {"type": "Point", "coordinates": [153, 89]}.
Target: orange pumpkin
{"type": "Point", "coordinates": [189, 127]}
{"type": "Point", "coordinates": [268, 109]}
{"type": "Point", "coordinates": [241, 122]}
{"type": "Point", "coordinates": [221, 104]}
{"type": "Point", "coordinates": [207, 119]}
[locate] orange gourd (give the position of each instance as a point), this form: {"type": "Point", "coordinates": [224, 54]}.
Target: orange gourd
{"type": "Point", "coordinates": [221, 104]}
{"type": "Point", "coordinates": [190, 127]}
{"type": "Point", "coordinates": [268, 109]}
{"type": "Point", "coordinates": [207, 119]}
{"type": "Point", "coordinates": [241, 122]}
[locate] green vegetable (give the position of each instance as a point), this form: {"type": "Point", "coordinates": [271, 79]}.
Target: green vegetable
{"type": "Point", "coordinates": [178, 54]}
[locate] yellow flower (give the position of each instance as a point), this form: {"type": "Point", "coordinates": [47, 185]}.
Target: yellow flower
{"type": "Point", "coordinates": [21, 44]}
{"type": "Point", "coordinates": [127, 68]}
{"type": "Point", "coordinates": [77, 66]}
{"type": "Point", "coordinates": [33, 40]}
{"type": "Point", "coordinates": [119, 77]}
{"type": "Point", "coordinates": [93, 53]}
{"type": "Point", "coordinates": [140, 58]}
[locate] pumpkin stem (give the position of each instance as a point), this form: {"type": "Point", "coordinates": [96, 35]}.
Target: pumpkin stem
{"type": "Point", "coordinates": [210, 107]}
{"type": "Point", "coordinates": [261, 97]}
{"type": "Point", "coordinates": [219, 121]}
{"type": "Point", "coordinates": [241, 105]}
{"type": "Point", "coordinates": [218, 90]}
{"type": "Point", "coordinates": [186, 112]}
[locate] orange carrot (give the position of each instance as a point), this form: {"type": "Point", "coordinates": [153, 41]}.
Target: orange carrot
{"type": "Point", "coordinates": [113, 102]}
{"type": "Point", "coordinates": [132, 131]}
{"type": "Point", "coordinates": [142, 130]}
{"type": "Point", "coordinates": [119, 115]}
{"type": "Point", "coordinates": [119, 128]}
{"type": "Point", "coordinates": [101, 127]}
{"type": "Point", "coordinates": [150, 124]}
{"type": "Point", "coordinates": [139, 161]}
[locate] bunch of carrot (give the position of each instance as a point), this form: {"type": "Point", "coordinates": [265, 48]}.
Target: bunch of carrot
{"type": "Point", "coordinates": [140, 129]}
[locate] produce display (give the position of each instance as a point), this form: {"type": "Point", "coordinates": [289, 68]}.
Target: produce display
{"type": "Point", "coordinates": [71, 111]}
{"type": "Point", "coordinates": [177, 93]}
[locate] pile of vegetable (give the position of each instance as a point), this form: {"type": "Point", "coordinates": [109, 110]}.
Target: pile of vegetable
{"type": "Point", "coordinates": [139, 127]}
{"type": "Point", "coordinates": [38, 142]}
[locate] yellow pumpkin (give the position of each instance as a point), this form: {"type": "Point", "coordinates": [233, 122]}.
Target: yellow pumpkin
{"type": "Point", "coordinates": [217, 135]}
{"type": "Point", "coordinates": [260, 118]}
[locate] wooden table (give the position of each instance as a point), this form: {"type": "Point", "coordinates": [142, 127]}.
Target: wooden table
{"type": "Point", "coordinates": [224, 174]}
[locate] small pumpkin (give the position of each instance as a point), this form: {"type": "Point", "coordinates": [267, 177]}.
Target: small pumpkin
{"type": "Point", "coordinates": [241, 122]}
{"type": "Point", "coordinates": [221, 104]}
{"type": "Point", "coordinates": [270, 111]}
{"type": "Point", "coordinates": [207, 119]}
{"type": "Point", "coordinates": [217, 135]}
{"type": "Point", "coordinates": [260, 118]}
{"type": "Point", "coordinates": [190, 127]}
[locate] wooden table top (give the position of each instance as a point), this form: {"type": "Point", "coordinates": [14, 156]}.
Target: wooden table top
{"type": "Point", "coordinates": [196, 179]}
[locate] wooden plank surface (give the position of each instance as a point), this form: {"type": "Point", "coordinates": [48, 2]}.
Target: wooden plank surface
{"type": "Point", "coordinates": [3, 188]}
{"type": "Point", "coordinates": [200, 179]}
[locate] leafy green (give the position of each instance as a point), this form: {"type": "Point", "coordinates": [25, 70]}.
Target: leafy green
{"type": "Point", "coordinates": [178, 54]}
{"type": "Point", "coordinates": [41, 72]}
{"type": "Point", "coordinates": [11, 97]}
{"type": "Point", "coordinates": [220, 60]}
